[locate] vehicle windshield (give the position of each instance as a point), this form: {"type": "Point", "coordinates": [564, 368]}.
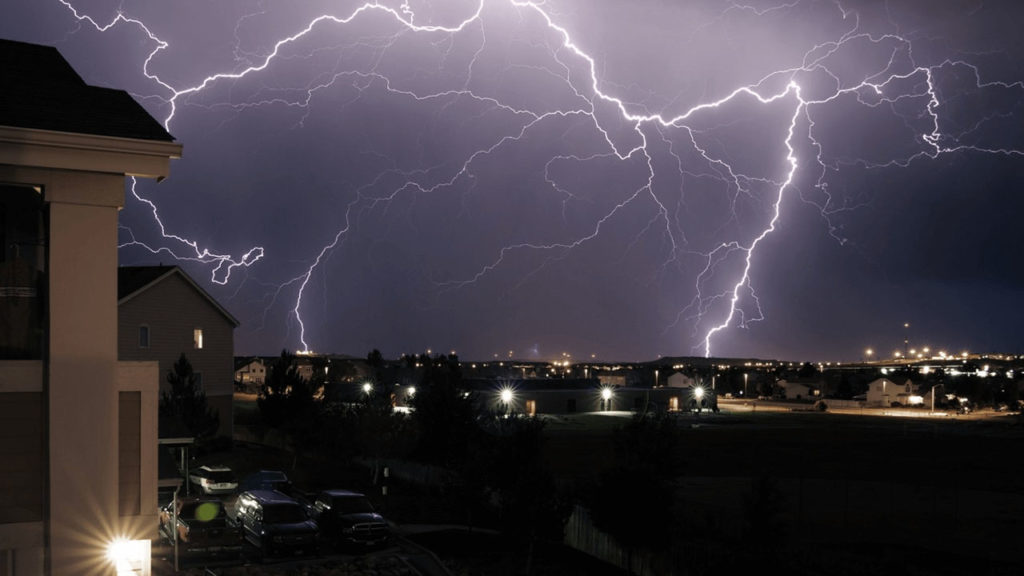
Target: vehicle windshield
{"type": "Point", "coordinates": [353, 505]}
{"type": "Point", "coordinates": [220, 476]}
{"type": "Point", "coordinates": [283, 514]}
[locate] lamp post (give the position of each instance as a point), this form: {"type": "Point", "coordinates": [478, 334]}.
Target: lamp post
{"type": "Point", "coordinates": [745, 393]}
{"type": "Point", "coordinates": [906, 337]}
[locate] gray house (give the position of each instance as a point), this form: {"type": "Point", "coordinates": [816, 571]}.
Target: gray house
{"type": "Point", "coordinates": [161, 314]}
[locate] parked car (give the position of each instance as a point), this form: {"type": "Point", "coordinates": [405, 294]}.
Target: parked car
{"type": "Point", "coordinates": [276, 523]}
{"type": "Point", "coordinates": [214, 479]}
{"type": "Point", "coordinates": [202, 525]}
{"type": "Point", "coordinates": [348, 518]}
{"type": "Point", "coordinates": [266, 480]}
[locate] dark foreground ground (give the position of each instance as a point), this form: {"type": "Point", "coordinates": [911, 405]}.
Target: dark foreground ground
{"type": "Point", "coordinates": [852, 494]}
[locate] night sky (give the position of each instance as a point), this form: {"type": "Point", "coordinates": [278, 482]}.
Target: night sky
{"type": "Point", "coordinates": [619, 179]}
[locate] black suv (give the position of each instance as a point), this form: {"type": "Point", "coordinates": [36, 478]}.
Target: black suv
{"type": "Point", "coordinates": [276, 523]}
{"type": "Point", "coordinates": [348, 518]}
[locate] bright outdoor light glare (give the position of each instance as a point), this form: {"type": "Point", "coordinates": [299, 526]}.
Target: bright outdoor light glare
{"type": "Point", "coordinates": [506, 395]}
{"type": "Point", "coordinates": [698, 392]}
{"type": "Point", "coordinates": [126, 555]}
{"type": "Point", "coordinates": [367, 387]}
{"type": "Point", "coordinates": [119, 551]}
{"type": "Point", "coordinates": [606, 393]}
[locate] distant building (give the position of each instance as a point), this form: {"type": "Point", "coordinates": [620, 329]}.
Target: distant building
{"type": "Point", "coordinates": [884, 392]}
{"type": "Point", "coordinates": [250, 373]}
{"type": "Point", "coordinates": [800, 388]}
{"type": "Point", "coordinates": [78, 432]}
{"type": "Point", "coordinates": [680, 380]}
{"type": "Point", "coordinates": [162, 314]}
{"type": "Point", "coordinates": [574, 395]}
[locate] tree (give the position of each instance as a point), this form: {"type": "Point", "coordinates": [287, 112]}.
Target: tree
{"type": "Point", "coordinates": [807, 370]}
{"type": "Point", "coordinates": [444, 416]}
{"type": "Point", "coordinates": [635, 499]}
{"type": "Point", "coordinates": [184, 407]}
{"type": "Point", "coordinates": [530, 505]}
{"type": "Point", "coordinates": [286, 398]}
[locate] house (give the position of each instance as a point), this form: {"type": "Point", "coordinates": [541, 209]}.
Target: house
{"type": "Point", "coordinates": [680, 380]}
{"type": "Point", "coordinates": [78, 428]}
{"type": "Point", "coordinates": [800, 388]}
{"type": "Point", "coordinates": [250, 373]}
{"type": "Point", "coordinates": [884, 392]}
{"type": "Point", "coordinates": [161, 314]}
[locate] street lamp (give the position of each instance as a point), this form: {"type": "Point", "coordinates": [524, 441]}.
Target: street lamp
{"type": "Point", "coordinates": [367, 388]}
{"type": "Point", "coordinates": [868, 353]}
{"type": "Point", "coordinates": [506, 397]}
{"type": "Point", "coordinates": [745, 393]}
{"type": "Point", "coordinates": [606, 398]}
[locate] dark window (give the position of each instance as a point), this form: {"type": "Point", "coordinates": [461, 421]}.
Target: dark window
{"type": "Point", "coordinates": [129, 449]}
{"type": "Point", "coordinates": [23, 238]}
{"type": "Point", "coordinates": [23, 445]}
{"type": "Point", "coordinates": [283, 514]}
{"type": "Point", "coordinates": [143, 336]}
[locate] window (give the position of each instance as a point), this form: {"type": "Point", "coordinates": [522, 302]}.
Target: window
{"type": "Point", "coordinates": [23, 239]}
{"type": "Point", "coordinates": [143, 336]}
{"type": "Point", "coordinates": [199, 380]}
{"type": "Point", "coordinates": [197, 338]}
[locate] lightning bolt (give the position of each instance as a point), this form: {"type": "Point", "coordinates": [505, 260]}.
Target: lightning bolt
{"type": "Point", "coordinates": [626, 132]}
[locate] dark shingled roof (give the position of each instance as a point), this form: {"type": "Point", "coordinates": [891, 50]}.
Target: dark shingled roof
{"type": "Point", "coordinates": [131, 279]}
{"type": "Point", "coordinates": [134, 279]}
{"type": "Point", "coordinates": [39, 89]}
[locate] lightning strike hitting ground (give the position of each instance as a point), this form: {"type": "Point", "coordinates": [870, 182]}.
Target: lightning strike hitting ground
{"type": "Point", "coordinates": [668, 154]}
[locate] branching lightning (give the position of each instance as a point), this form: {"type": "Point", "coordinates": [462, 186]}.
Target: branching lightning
{"type": "Point", "coordinates": [624, 132]}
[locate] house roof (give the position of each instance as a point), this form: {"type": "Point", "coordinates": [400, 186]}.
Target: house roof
{"type": "Point", "coordinates": [40, 90]}
{"type": "Point", "coordinates": [135, 280]}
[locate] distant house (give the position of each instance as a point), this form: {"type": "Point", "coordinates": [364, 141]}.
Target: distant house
{"type": "Point", "coordinates": [680, 380]}
{"type": "Point", "coordinates": [800, 388]}
{"type": "Point", "coordinates": [250, 373]}
{"type": "Point", "coordinates": [883, 392]}
{"type": "Point", "coordinates": [162, 314]}
{"type": "Point", "coordinates": [78, 431]}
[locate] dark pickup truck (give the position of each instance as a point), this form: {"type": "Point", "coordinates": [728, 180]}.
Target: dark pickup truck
{"type": "Point", "coordinates": [348, 519]}
{"type": "Point", "coordinates": [203, 527]}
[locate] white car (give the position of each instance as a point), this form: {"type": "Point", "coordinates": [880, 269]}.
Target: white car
{"type": "Point", "coordinates": [214, 479]}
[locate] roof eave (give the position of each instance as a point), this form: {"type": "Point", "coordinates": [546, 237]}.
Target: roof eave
{"type": "Point", "coordinates": [87, 152]}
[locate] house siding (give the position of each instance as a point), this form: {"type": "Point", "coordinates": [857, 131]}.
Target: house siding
{"type": "Point", "coordinates": [172, 308]}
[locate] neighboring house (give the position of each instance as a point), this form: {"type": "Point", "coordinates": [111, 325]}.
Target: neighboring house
{"type": "Point", "coordinates": [800, 388]}
{"type": "Point", "coordinates": [883, 392]}
{"type": "Point", "coordinates": [78, 433]}
{"type": "Point", "coordinates": [680, 380]}
{"type": "Point", "coordinates": [250, 373]}
{"type": "Point", "coordinates": [162, 314]}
